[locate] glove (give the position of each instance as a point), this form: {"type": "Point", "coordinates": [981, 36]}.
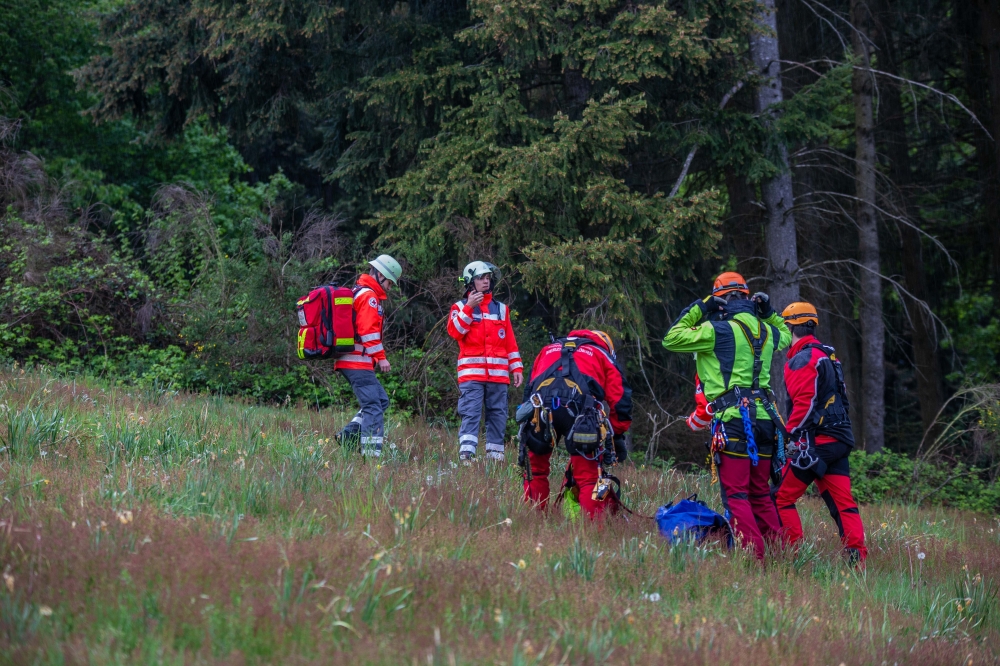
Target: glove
{"type": "Point", "coordinates": [763, 303]}
{"type": "Point", "coordinates": [609, 459]}
{"type": "Point", "coordinates": [711, 305]}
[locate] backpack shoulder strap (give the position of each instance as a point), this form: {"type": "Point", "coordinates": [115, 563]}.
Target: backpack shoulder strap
{"type": "Point", "coordinates": [838, 368]}
{"type": "Point", "coordinates": [757, 344]}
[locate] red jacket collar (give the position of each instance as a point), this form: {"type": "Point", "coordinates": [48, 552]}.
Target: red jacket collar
{"type": "Point", "coordinates": [367, 280]}
{"type": "Point", "coordinates": [797, 347]}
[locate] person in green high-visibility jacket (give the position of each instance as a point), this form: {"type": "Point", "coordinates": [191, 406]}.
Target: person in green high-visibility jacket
{"type": "Point", "coordinates": [733, 337]}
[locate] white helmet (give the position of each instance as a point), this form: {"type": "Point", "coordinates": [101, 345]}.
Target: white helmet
{"type": "Point", "coordinates": [388, 267]}
{"type": "Point", "coordinates": [479, 269]}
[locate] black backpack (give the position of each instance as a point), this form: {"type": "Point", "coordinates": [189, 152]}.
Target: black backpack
{"type": "Point", "coordinates": [564, 386]}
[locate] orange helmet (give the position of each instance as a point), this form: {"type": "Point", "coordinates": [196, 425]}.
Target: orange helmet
{"type": "Point", "coordinates": [729, 282]}
{"type": "Point", "coordinates": [606, 339]}
{"type": "Point", "coordinates": [800, 313]}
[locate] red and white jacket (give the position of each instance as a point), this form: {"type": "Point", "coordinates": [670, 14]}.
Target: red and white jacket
{"type": "Point", "coordinates": [487, 350]}
{"type": "Point", "coordinates": [368, 319]}
{"type": "Point", "coordinates": [701, 417]}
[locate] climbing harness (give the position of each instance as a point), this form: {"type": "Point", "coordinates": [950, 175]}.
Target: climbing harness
{"type": "Point", "coordinates": [746, 401]}
{"type": "Point", "coordinates": [717, 446]}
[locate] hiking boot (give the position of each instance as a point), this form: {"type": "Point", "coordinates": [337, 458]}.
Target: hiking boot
{"type": "Point", "coordinates": [495, 455]}
{"type": "Point", "coordinates": [466, 457]}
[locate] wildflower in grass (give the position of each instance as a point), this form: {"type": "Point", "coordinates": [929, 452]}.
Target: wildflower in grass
{"type": "Point", "coordinates": [498, 616]}
{"type": "Point", "coordinates": [8, 580]}
{"type": "Point", "coordinates": [44, 611]}
{"type": "Point", "coordinates": [521, 564]}
{"type": "Point", "coordinates": [538, 549]}
{"type": "Point", "coordinates": [508, 522]}
{"type": "Point", "coordinates": [921, 555]}
{"type": "Point", "coordinates": [124, 517]}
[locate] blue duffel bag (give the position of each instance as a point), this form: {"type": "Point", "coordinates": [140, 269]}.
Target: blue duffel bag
{"type": "Point", "coordinates": [688, 517]}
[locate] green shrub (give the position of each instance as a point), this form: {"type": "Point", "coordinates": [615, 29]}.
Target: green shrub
{"type": "Point", "coordinates": [877, 477]}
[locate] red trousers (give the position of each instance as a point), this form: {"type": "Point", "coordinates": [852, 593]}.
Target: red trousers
{"type": "Point", "coordinates": [585, 473]}
{"type": "Point", "coordinates": [746, 494]}
{"type": "Point", "coordinates": [835, 489]}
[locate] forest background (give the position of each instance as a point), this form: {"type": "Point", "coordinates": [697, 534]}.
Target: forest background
{"type": "Point", "coordinates": [174, 174]}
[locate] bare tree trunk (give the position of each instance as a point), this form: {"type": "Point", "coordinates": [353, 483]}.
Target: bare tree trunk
{"type": "Point", "coordinates": [925, 352]}
{"type": "Point", "coordinates": [872, 326]}
{"type": "Point", "coordinates": [781, 241]}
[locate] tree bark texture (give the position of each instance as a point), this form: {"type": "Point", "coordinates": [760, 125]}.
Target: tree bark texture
{"type": "Point", "coordinates": [926, 360]}
{"type": "Point", "coordinates": [782, 244]}
{"type": "Point", "coordinates": [870, 283]}
{"type": "Point", "coordinates": [780, 234]}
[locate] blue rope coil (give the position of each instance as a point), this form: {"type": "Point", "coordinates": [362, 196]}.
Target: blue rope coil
{"type": "Point", "coordinates": [748, 432]}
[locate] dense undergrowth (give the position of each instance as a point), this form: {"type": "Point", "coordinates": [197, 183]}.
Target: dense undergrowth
{"type": "Point", "coordinates": [145, 526]}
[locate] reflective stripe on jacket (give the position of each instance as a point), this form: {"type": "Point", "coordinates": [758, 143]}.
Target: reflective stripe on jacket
{"type": "Point", "coordinates": [487, 350]}
{"type": "Point", "coordinates": [701, 417]}
{"type": "Point", "coordinates": [368, 319]}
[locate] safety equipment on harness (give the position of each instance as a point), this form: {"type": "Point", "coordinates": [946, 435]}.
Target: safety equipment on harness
{"type": "Point", "coordinates": [749, 397]}
{"type": "Point", "coordinates": [729, 282]}
{"type": "Point", "coordinates": [748, 431]}
{"type": "Point", "coordinates": [388, 267]}
{"type": "Point", "coordinates": [620, 448]}
{"type": "Point", "coordinates": [601, 489]}
{"type": "Point", "coordinates": [479, 269]}
{"type": "Point", "coordinates": [590, 431]}
{"type": "Point", "coordinates": [763, 303]}
{"type": "Point", "coordinates": [800, 313]}
{"type": "Point", "coordinates": [804, 454]}
{"type": "Point", "coordinates": [326, 322]}
{"type": "Point", "coordinates": [717, 446]}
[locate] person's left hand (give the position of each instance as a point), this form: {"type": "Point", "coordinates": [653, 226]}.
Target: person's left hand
{"type": "Point", "coordinates": [518, 379]}
{"type": "Point", "coordinates": [763, 303]}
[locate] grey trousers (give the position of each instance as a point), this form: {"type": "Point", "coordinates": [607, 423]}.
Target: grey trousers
{"type": "Point", "coordinates": [370, 419]}
{"type": "Point", "coordinates": [471, 399]}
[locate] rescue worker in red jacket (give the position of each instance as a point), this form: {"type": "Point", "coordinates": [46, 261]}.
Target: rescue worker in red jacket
{"type": "Point", "coordinates": [599, 376]}
{"type": "Point", "coordinates": [358, 368]}
{"type": "Point", "coordinates": [487, 359]}
{"type": "Point", "coordinates": [820, 429]}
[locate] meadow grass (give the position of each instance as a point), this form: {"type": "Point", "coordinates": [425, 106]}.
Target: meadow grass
{"type": "Point", "coordinates": [138, 525]}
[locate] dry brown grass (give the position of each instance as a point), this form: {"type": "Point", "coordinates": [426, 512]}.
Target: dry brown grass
{"type": "Point", "coordinates": [172, 528]}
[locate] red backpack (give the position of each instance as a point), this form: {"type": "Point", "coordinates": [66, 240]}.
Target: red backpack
{"type": "Point", "coordinates": [326, 322]}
